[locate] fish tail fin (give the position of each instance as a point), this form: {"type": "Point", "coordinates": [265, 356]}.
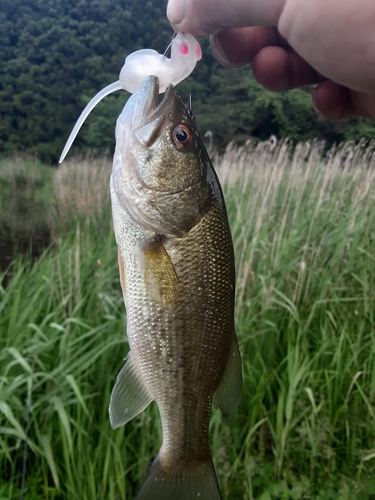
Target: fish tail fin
{"type": "Point", "coordinates": [199, 483]}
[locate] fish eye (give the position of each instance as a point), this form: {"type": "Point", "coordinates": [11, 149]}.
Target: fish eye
{"type": "Point", "coordinates": [182, 136]}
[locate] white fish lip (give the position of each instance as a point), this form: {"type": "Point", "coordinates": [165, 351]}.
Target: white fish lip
{"type": "Point", "coordinates": [142, 117]}
{"type": "Point", "coordinates": [146, 105]}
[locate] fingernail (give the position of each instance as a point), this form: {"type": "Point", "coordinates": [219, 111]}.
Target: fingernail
{"type": "Point", "coordinates": [319, 113]}
{"type": "Point", "coordinates": [219, 53]}
{"type": "Point", "coordinates": [176, 11]}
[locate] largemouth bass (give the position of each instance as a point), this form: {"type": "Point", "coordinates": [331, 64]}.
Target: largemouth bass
{"type": "Point", "coordinates": [177, 275]}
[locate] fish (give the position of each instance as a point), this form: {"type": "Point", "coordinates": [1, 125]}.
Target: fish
{"type": "Point", "coordinates": [176, 267]}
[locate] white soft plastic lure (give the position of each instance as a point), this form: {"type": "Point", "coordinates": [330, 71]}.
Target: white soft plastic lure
{"type": "Point", "coordinates": [185, 52]}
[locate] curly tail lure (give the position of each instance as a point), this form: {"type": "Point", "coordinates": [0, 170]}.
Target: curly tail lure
{"type": "Point", "coordinates": [185, 53]}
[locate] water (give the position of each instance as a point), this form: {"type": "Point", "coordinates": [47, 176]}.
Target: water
{"type": "Point", "coordinates": [14, 244]}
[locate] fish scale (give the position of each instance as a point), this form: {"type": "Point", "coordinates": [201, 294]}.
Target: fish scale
{"type": "Point", "coordinates": [177, 274]}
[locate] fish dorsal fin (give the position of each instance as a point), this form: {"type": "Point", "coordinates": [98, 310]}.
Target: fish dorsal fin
{"type": "Point", "coordinates": [121, 268]}
{"type": "Point", "coordinates": [160, 277]}
{"type": "Point", "coordinates": [129, 396]}
{"type": "Point", "coordinates": [228, 394]}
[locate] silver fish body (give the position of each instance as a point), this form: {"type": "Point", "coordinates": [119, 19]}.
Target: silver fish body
{"type": "Point", "coordinates": [177, 275]}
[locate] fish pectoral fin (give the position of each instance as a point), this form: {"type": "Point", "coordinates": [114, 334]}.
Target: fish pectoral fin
{"type": "Point", "coordinates": [129, 396]}
{"type": "Point", "coordinates": [121, 268]}
{"type": "Point", "coordinates": [160, 277]}
{"type": "Point", "coordinates": [228, 394]}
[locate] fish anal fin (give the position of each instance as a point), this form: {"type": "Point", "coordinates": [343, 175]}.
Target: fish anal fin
{"type": "Point", "coordinates": [121, 268]}
{"type": "Point", "coordinates": [228, 394]}
{"type": "Point", "coordinates": [160, 276]}
{"type": "Point", "coordinates": [129, 396]}
{"type": "Point", "coordinates": [190, 483]}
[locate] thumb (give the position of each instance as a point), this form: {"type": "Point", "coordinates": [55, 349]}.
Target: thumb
{"type": "Point", "coordinates": [207, 17]}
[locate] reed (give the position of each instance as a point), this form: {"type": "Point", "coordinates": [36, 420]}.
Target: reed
{"type": "Point", "coordinates": [82, 188]}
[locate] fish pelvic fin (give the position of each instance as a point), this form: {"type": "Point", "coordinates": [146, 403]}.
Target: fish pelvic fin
{"type": "Point", "coordinates": [228, 394]}
{"type": "Point", "coordinates": [199, 483]}
{"type": "Point", "coordinates": [160, 275]}
{"type": "Point", "coordinates": [129, 396]}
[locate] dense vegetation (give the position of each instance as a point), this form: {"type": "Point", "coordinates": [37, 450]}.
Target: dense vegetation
{"type": "Point", "coordinates": [56, 54]}
{"type": "Point", "coordinates": [303, 229]}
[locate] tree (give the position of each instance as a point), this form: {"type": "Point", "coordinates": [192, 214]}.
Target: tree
{"type": "Point", "coordinates": [57, 54]}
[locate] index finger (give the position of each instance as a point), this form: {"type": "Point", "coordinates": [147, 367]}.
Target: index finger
{"type": "Point", "coordinates": [235, 47]}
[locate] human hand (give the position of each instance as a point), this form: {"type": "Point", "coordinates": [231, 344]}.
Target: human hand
{"type": "Point", "coordinates": [292, 43]}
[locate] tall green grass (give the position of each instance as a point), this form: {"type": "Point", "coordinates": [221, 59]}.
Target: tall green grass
{"type": "Point", "coordinates": [303, 228]}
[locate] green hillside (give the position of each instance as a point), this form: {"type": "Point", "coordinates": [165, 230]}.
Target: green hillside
{"type": "Point", "coordinates": [57, 54]}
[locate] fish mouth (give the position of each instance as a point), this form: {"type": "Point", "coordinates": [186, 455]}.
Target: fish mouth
{"type": "Point", "coordinates": [147, 106]}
